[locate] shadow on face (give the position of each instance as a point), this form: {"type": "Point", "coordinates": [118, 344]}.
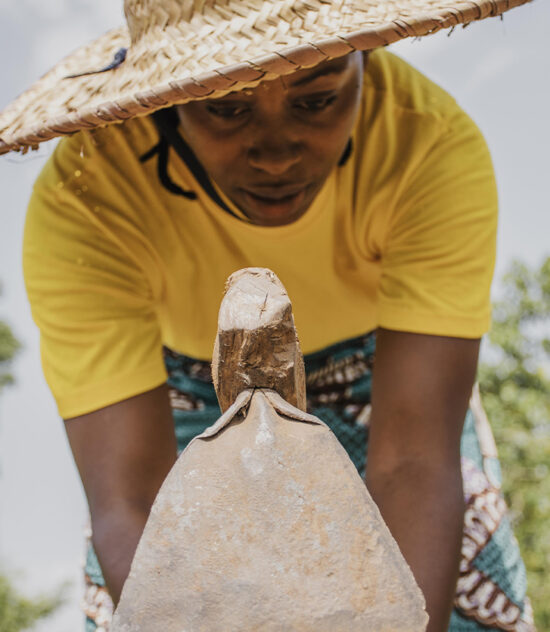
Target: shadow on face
{"type": "Point", "coordinates": [271, 148]}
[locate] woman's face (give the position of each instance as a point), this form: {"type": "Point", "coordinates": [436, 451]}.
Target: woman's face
{"type": "Point", "coordinates": [271, 149]}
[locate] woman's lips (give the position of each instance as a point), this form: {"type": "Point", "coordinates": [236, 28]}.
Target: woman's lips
{"type": "Point", "coordinates": [275, 205]}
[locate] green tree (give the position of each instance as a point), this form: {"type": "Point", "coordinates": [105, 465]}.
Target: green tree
{"type": "Point", "coordinates": [515, 386]}
{"type": "Point", "coordinates": [8, 348]}
{"type": "Point", "coordinates": [17, 612]}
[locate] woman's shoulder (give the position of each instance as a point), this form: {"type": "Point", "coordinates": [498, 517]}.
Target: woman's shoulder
{"type": "Point", "coordinates": [114, 145]}
{"type": "Point", "coordinates": [400, 85]}
{"type": "Point", "coordinates": [407, 118]}
{"type": "Point", "coordinates": [101, 168]}
{"type": "Point", "coordinates": [95, 185]}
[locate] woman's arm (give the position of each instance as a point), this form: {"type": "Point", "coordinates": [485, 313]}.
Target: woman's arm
{"type": "Point", "coordinates": [123, 453]}
{"type": "Point", "coordinates": [421, 388]}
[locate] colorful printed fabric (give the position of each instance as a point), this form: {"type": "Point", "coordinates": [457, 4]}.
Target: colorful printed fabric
{"type": "Point", "coordinates": [491, 590]}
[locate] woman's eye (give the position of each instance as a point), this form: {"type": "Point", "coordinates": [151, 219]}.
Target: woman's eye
{"type": "Point", "coordinates": [316, 105]}
{"type": "Point", "coordinates": [226, 110]}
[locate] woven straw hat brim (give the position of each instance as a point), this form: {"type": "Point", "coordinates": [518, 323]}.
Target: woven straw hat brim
{"type": "Point", "coordinates": [225, 47]}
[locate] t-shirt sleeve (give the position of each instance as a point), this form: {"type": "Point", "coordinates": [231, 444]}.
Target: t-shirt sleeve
{"type": "Point", "coordinates": [90, 297]}
{"type": "Point", "coordinates": [438, 258]}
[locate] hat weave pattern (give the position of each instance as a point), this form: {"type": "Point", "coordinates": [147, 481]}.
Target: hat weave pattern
{"type": "Point", "coordinates": [184, 50]}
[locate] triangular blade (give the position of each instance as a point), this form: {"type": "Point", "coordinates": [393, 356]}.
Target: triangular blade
{"type": "Point", "coordinates": [267, 526]}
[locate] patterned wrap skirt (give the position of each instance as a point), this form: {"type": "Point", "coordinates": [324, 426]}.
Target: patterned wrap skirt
{"type": "Point", "coordinates": [491, 589]}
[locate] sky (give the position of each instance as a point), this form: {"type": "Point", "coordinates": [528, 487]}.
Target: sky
{"type": "Point", "coordinates": [498, 71]}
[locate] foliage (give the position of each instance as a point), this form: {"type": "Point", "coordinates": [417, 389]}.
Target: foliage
{"type": "Point", "coordinates": [18, 613]}
{"type": "Point", "coordinates": [8, 348]}
{"type": "Point", "coordinates": [515, 385]}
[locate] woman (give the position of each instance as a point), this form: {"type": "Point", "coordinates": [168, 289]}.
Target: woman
{"type": "Point", "coordinates": [360, 183]}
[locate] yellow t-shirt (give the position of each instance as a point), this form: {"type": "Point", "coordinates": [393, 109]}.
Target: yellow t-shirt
{"type": "Point", "coordinates": [402, 236]}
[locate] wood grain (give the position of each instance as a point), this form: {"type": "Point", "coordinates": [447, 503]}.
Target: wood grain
{"type": "Point", "coordinates": [257, 345]}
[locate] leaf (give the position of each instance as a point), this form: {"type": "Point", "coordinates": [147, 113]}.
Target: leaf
{"type": "Point", "coordinates": [515, 386]}
{"type": "Point", "coordinates": [19, 613]}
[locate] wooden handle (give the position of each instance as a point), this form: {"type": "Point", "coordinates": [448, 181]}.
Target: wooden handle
{"type": "Point", "coordinates": [257, 345]}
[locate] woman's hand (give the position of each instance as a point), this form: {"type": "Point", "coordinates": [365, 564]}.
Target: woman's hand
{"type": "Point", "coordinates": [123, 453]}
{"type": "Point", "coordinates": [421, 388]}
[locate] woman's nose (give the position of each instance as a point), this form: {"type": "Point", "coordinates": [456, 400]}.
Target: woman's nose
{"type": "Point", "coordinates": [274, 156]}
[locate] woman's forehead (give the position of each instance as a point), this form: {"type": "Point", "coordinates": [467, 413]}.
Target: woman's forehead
{"type": "Point", "coordinates": [331, 67]}
{"type": "Point", "coordinates": [303, 77]}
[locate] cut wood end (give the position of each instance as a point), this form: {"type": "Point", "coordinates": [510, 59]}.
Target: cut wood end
{"type": "Point", "coordinates": [257, 345]}
{"type": "Point", "coordinates": [253, 297]}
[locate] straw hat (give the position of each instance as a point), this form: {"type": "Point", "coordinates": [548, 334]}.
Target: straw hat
{"type": "Point", "coordinates": [175, 51]}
